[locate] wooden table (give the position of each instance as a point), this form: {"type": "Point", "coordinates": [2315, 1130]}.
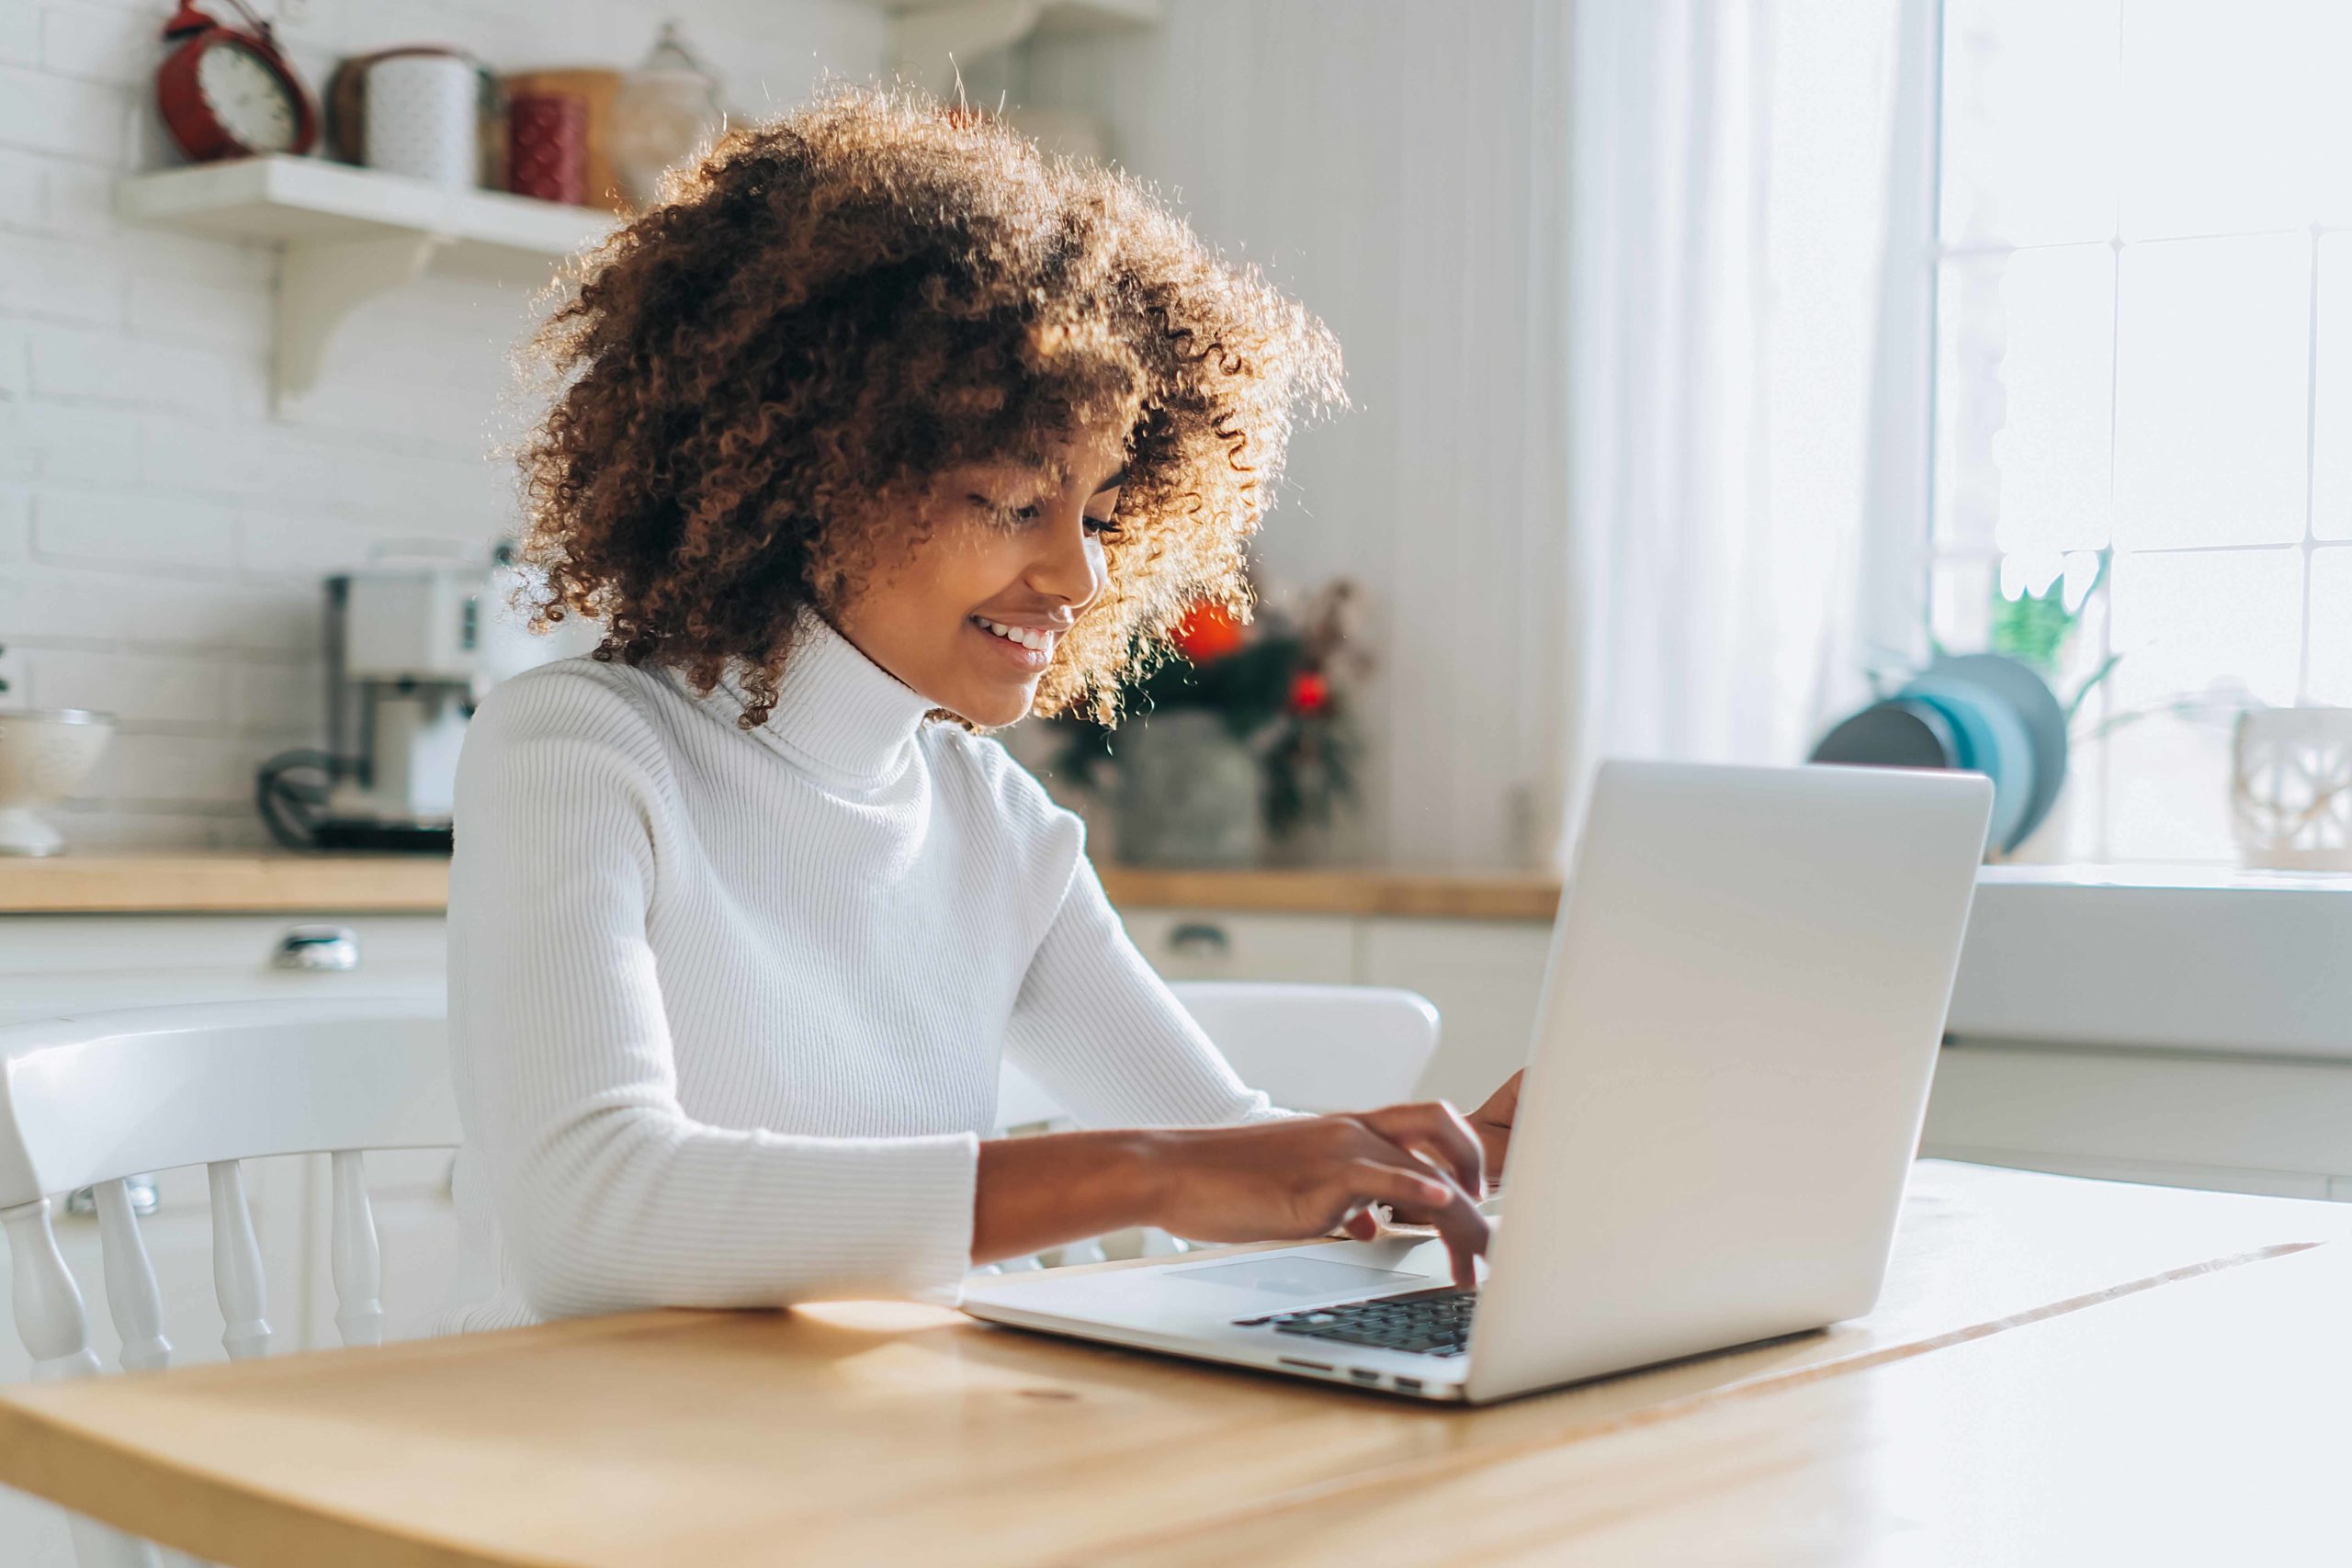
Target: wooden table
{"type": "Point", "coordinates": [2060, 1372]}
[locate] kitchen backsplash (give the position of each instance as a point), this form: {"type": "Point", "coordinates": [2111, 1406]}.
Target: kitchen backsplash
{"type": "Point", "coordinates": [162, 531]}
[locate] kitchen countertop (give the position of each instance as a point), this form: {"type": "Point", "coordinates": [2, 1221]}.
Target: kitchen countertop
{"type": "Point", "coordinates": [224, 882]}
{"type": "Point", "coordinates": [1336, 890]}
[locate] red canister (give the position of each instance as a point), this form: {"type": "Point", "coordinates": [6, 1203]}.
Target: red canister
{"type": "Point", "coordinates": [547, 154]}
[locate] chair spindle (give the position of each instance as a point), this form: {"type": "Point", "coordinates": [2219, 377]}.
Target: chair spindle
{"type": "Point", "coordinates": [47, 1303]}
{"type": "Point", "coordinates": [237, 1277]}
{"type": "Point", "coordinates": [132, 1300]}
{"type": "Point", "coordinates": [358, 1259]}
{"type": "Point", "coordinates": [56, 1331]}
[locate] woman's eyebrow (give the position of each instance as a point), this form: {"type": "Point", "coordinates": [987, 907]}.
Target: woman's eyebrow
{"type": "Point", "coordinates": [1112, 482]}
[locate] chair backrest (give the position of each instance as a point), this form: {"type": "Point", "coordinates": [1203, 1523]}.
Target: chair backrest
{"type": "Point", "coordinates": [1319, 1048]}
{"type": "Point", "coordinates": [89, 1100]}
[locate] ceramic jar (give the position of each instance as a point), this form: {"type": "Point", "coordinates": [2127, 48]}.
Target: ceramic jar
{"type": "Point", "coordinates": [1189, 795]}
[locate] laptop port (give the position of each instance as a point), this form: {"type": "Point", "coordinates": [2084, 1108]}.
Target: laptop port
{"type": "Point", "coordinates": [1413, 1384]}
{"type": "Point", "coordinates": [1310, 1366]}
{"type": "Point", "coordinates": [1364, 1374]}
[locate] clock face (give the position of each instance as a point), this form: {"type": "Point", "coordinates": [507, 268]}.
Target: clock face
{"type": "Point", "coordinates": [247, 97]}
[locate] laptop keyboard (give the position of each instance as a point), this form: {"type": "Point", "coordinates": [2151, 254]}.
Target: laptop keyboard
{"type": "Point", "coordinates": [1426, 1322]}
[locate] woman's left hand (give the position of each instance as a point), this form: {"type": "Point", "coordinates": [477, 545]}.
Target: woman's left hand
{"type": "Point", "coordinates": [1492, 1122]}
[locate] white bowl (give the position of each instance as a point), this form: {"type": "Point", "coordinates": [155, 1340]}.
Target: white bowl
{"type": "Point", "coordinates": [45, 753]}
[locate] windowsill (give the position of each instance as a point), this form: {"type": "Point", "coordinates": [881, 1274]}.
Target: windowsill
{"type": "Point", "coordinates": [2180, 958]}
{"type": "Point", "coordinates": [2190, 877]}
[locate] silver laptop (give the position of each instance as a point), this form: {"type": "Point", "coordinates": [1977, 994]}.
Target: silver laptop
{"type": "Point", "coordinates": [1740, 1017]}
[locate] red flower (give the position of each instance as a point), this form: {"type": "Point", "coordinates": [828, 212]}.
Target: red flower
{"type": "Point", "coordinates": [1207, 632]}
{"type": "Point", "coordinates": [1310, 691]}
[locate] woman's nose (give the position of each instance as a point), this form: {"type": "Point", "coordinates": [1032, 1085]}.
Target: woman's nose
{"type": "Point", "coordinates": [1068, 564]}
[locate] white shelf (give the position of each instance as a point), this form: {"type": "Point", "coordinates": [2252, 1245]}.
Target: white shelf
{"type": "Point", "coordinates": [310, 200]}
{"type": "Point", "coordinates": [351, 234]}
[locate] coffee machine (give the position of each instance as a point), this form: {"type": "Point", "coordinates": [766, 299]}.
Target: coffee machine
{"type": "Point", "coordinates": [409, 649]}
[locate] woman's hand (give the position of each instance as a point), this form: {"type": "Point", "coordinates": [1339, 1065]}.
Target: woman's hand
{"type": "Point", "coordinates": [1302, 1176]}
{"type": "Point", "coordinates": [1492, 1122]}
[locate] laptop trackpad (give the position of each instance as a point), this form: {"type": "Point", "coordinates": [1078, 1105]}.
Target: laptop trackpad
{"type": "Point", "coordinates": [1293, 1278]}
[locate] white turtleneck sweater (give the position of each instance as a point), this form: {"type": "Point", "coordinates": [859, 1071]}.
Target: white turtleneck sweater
{"type": "Point", "coordinates": [726, 1007]}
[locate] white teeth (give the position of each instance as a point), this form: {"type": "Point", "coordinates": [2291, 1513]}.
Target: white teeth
{"type": "Point", "coordinates": [1034, 640]}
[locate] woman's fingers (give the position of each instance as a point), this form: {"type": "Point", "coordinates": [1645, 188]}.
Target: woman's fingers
{"type": "Point", "coordinates": [1463, 1229]}
{"type": "Point", "coordinates": [1396, 1181]}
{"type": "Point", "coordinates": [1436, 1133]}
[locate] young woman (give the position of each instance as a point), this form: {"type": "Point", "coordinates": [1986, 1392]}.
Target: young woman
{"type": "Point", "coordinates": [879, 432]}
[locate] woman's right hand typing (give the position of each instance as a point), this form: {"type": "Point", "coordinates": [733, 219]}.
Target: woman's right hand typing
{"type": "Point", "coordinates": [1289, 1179]}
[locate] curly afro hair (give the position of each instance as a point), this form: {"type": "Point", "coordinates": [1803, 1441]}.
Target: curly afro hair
{"type": "Point", "coordinates": [754, 382]}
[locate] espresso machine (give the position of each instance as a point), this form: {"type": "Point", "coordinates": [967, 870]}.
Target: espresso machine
{"type": "Point", "coordinates": [411, 648]}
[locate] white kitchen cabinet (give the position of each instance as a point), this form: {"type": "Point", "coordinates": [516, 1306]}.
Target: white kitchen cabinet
{"type": "Point", "coordinates": [1218, 944]}
{"type": "Point", "coordinates": [2239, 1123]}
{"type": "Point", "coordinates": [1485, 977]}
{"type": "Point", "coordinates": [48, 962]}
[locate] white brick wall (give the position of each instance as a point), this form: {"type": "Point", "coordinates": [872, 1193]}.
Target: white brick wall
{"type": "Point", "coordinates": [161, 532]}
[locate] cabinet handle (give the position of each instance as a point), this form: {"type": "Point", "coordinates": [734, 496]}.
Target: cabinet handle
{"type": "Point", "coordinates": [317, 948]}
{"type": "Point", "coordinates": [84, 1200]}
{"type": "Point", "coordinates": [1198, 938]}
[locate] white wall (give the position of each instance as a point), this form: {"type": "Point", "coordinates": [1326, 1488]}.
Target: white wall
{"type": "Point", "coordinates": [1373, 156]}
{"type": "Point", "coordinates": [162, 536]}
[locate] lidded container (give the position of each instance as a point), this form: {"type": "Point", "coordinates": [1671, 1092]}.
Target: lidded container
{"type": "Point", "coordinates": [666, 110]}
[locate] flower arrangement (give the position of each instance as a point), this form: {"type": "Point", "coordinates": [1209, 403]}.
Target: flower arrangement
{"type": "Point", "coordinates": [1284, 686]}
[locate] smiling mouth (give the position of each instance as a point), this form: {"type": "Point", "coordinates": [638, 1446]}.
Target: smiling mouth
{"type": "Point", "coordinates": [1032, 647]}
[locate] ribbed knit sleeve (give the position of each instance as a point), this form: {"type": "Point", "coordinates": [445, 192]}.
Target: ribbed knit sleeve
{"type": "Point", "coordinates": [609, 1196]}
{"type": "Point", "coordinates": [1103, 1033]}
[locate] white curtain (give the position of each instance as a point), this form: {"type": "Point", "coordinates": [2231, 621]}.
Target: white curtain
{"type": "Point", "coordinates": [1741, 380]}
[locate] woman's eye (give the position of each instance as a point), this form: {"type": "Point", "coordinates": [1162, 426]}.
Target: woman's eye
{"type": "Point", "coordinates": [1101, 527]}
{"type": "Point", "coordinates": [1004, 512]}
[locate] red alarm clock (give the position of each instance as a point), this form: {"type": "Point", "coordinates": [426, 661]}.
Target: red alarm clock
{"type": "Point", "coordinates": [227, 93]}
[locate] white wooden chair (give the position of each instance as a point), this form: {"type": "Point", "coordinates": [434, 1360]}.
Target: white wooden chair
{"type": "Point", "coordinates": [88, 1100]}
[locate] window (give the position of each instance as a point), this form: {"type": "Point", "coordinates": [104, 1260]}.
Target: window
{"type": "Point", "coordinates": [2144, 381]}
